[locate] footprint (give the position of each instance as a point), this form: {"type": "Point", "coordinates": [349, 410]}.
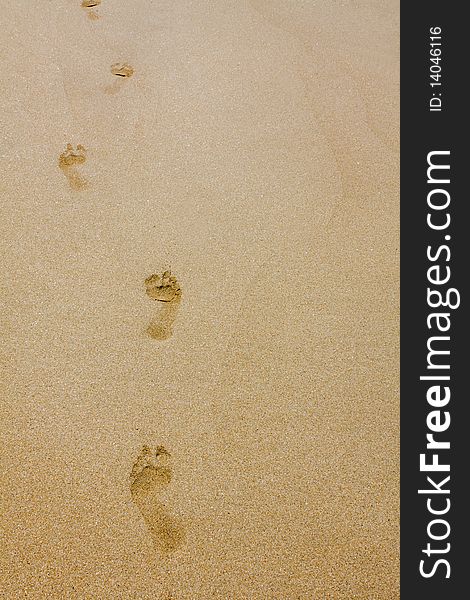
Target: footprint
{"type": "Point", "coordinates": [166, 289]}
{"type": "Point", "coordinates": [90, 4]}
{"type": "Point", "coordinates": [150, 475]}
{"type": "Point", "coordinates": [121, 71]}
{"type": "Point", "coordinates": [69, 160]}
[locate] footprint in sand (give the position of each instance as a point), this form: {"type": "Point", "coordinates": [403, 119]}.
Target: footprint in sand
{"type": "Point", "coordinates": [150, 475]}
{"type": "Point", "coordinates": [122, 72]}
{"type": "Point", "coordinates": [69, 161]}
{"type": "Point", "coordinates": [89, 5]}
{"type": "Point", "coordinates": [163, 288]}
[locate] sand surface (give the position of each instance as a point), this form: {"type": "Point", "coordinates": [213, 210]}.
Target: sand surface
{"type": "Point", "coordinates": [236, 438]}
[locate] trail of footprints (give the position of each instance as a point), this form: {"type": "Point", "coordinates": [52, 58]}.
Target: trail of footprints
{"type": "Point", "coordinates": [152, 471]}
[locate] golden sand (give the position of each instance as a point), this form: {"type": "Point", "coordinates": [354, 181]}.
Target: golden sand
{"type": "Point", "coordinates": [200, 299]}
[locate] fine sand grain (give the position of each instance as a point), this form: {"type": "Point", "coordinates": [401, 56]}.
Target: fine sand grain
{"type": "Point", "coordinates": [199, 300]}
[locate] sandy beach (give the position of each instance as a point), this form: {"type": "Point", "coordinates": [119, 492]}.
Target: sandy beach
{"type": "Point", "coordinates": [200, 230]}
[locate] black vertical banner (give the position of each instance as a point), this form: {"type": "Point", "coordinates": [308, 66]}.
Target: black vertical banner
{"type": "Point", "coordinates": [435, 435]}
